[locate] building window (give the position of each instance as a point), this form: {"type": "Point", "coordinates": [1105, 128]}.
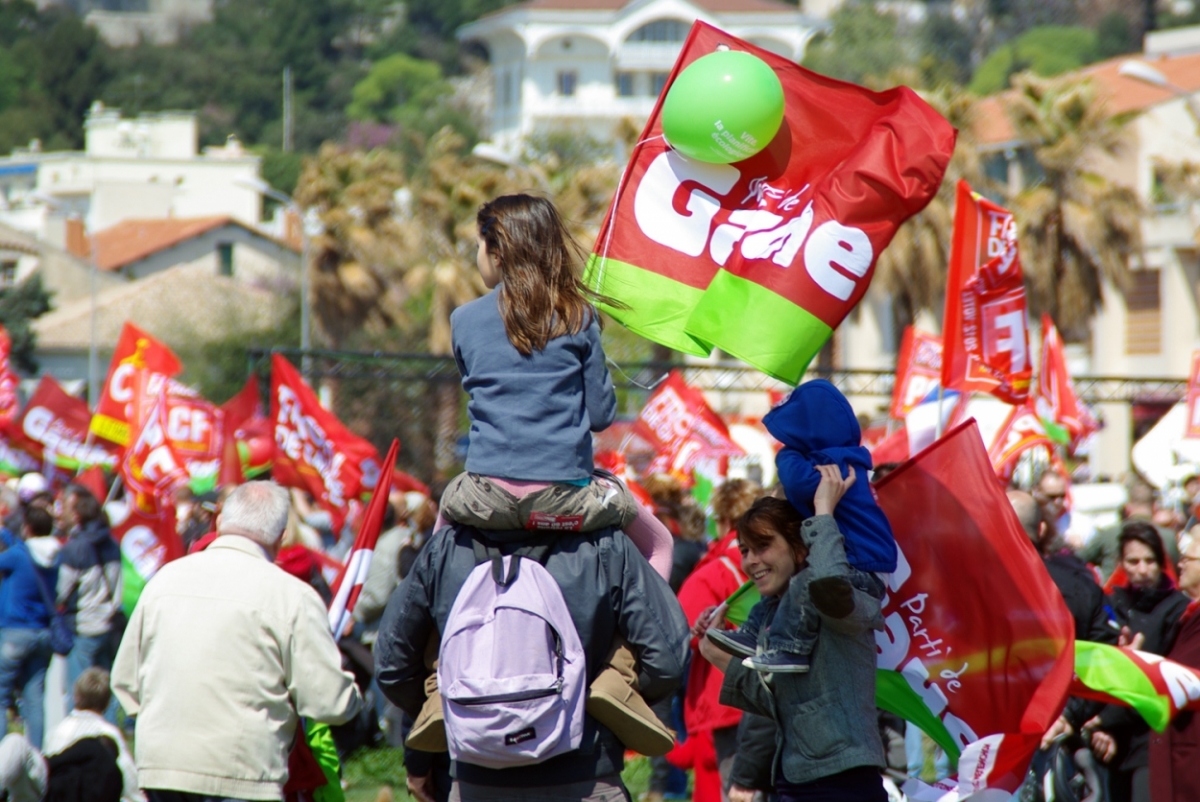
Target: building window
{"type": "Point", "coordinates": [8, 273]}
{"type": "Point", "coordinates": [624, 84]}
{"type": "Point", "coordinates": [661, 30]}
{"type": "Point", "coordinates": [1143, 319]}
{"type": "Point", "coordinates": [225, 259]}
{"type": "Point", "coordinates": [658, 81]}
{"type": "Point", "coordinates": [567, 79]}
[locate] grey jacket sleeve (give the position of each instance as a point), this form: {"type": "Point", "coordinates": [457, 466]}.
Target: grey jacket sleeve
{"type": "Point", "coordinates": [745, 689]}
{"type": "Point", "coordinates": [318, 685]}
{"type": "Point", "coordinates": [404, 631]}
{"type": "Point", "coordinates": [650, 618]}
{"type": "Point", "coordinates": [599, 397]}
{"type": "Point", "coordinates": [827, 563]}
{"type": "Point", "coordinates": [757, 737]}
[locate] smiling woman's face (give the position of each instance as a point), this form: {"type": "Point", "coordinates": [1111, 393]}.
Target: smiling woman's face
{"type": "Point", "coordinates": [771, 565]}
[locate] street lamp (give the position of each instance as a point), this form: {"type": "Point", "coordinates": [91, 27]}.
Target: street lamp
{"type": "Point", "coordinates": [310, 226]}
{"type": "Point", "coordinates": [1141, 71]}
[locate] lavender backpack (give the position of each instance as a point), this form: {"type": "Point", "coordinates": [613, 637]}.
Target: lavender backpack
{"type": "Point", "coordinates": [511, 667]}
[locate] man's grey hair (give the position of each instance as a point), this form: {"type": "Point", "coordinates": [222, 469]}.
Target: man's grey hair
{"type": "Point", "coordinates": [257, 510]}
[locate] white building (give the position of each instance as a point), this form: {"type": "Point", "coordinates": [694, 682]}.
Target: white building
{"type": "Point", "coordinates": [585, 65]}
{"type": "Point", "coordinates": [1151, 329]}
{"type": "Point", "coordinates": [129, 168]}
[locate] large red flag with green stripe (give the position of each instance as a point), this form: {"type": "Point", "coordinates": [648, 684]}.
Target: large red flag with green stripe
{"type": "Point", "coordinates": [765, 257]}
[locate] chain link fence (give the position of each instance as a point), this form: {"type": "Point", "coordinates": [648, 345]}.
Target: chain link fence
{"type": "Point", "coordinates": [418, 397]}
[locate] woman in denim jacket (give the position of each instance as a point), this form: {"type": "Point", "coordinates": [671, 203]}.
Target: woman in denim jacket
{"type": "Point", "coordinates": [828, 745]}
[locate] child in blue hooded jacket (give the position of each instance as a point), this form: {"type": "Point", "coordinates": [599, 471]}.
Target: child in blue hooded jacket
{"type": "Point", "coordinates": [816, 426]}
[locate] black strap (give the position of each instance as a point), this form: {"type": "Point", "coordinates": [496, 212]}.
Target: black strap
{"type": "Point", "coordinates": [537, 548]}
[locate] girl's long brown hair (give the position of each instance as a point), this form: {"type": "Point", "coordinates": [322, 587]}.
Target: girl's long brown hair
{"type": "Point", "coordinates": [542, 295]}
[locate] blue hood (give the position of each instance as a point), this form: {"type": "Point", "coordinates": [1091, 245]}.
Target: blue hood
{"type": "Point", "coordinates": [815, 417]}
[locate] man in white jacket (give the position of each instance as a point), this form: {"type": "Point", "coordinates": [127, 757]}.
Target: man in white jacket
{"type": "Point", "coordinates": [223, 654]}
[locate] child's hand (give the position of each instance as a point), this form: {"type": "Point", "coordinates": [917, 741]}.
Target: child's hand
{"type": "Point", "coordinates": [832, 488]}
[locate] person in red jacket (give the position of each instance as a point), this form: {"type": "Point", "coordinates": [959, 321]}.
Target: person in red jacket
{"type": "Point", "coordinates": [1173, 752]}
{"type": "Point", "coordinates": [712, 727]}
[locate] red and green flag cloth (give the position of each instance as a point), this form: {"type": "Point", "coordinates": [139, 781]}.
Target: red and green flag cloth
{"type": "Point", "coordinates": [1066, 419]}
{"type": "Point", "coordinates": [765, 257]}
{"type": "Point", "coordinates": [1157, 688]}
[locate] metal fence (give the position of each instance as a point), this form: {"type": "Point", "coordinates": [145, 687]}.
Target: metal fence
{"type": "Point", "coordinates": [418, 398]}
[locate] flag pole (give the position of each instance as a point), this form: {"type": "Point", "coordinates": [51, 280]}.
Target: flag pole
{"type": "Point", "coordinates": [937, 432]}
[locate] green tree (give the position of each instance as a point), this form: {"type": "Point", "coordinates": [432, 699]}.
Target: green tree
{"type": "Point", "coordinates": [912, 269]}
{"type": "Point", "coordinates": [1077, 228]}
{"type": "Point", "coordinates": [1047, 51]}
{"type": "Point", "coordinates": [863, 44]}
{"type": "Point", "coordinates": [1115, 36]}
{"type": "Point", "coordinates": [19, 306]}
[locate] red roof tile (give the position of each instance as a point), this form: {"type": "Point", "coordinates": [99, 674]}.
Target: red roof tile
{"type": "Point", "coordinates": [133, 240]}
{"type": "Point", "coordinates": [1122, 94]}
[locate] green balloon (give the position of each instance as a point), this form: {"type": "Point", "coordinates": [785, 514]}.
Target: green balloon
{"type": "Point", "coordinates": [725, 107]}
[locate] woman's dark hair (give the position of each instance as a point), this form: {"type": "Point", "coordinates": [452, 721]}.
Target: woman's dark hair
{"type": "Point", "coordinates": [1146, 534]}
{"type": "Point", "coordinates": [542, 295]}
{"type": "Point", "coordinates": [769, 515]}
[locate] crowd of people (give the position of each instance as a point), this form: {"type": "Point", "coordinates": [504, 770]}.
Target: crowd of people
{"type": "Point", "coordinates": [526, 624]}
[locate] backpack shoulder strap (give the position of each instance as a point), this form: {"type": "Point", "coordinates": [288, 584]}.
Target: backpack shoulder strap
{"type": "Point", "coordinates": [536, 548]}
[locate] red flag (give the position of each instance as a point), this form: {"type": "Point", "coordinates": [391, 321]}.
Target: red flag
{"type": "Point", "coordinates": [147, 544]}
{"type": "Point", "coordinates": [140, 363]}
{"type": "Point", "coordinates": [985, 335]}
{"type": "Point", "coordinates": [1021, 431]}
{"type": "Point", "coordinates": [407, 483]}
{"type": "Point", "coordinates": [93, 479]}
{"type": "Point", "coordinates": [350, 582]}
{"type": "Point", "coordinates": [1192, 428]}
{"type": "Point", "coordinates": [53, 429]}
{"type": "Point", "coordinates": [918, 370]}
{"type": "Point", "coordinates": [973, 623]}
{"type": "Point", "coordinates": [765, 257]}
{"type": "Point", "coordinates": [152, 468]}
{"type": "Point", "coordinates": [247, 429]}
{"type": "Point", "coordinates": [8, 380]}
{"type": "Point", "coordinates": [314, 451]}
{"type": "Point", "coordinates": [1056, 399]}
{"type": "Point", "coordinates": [679, 423]}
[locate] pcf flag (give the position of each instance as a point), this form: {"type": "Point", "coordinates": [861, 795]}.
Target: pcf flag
{"type": "Point", "coordinates": [985, 339]}
{"type": "Point", "coordinates": [140, 366]}
{"type": "Point", "coordinates": [151, 468]}
{"type": "Point", "coordinates": [765, 257]}
{"type": "Point", "coordinates": [977, 631]}
{"type": "Point", "coordinates": [313, 450]}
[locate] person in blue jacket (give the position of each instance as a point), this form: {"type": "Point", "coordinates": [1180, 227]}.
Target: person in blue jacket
{"type": "Point", "coordinates": [29, 572]}
{"type": "Point", "coordinates": [816, 426]}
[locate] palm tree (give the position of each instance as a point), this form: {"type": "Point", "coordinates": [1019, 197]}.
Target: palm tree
{"type": "Point", "coordinates": [359, 259]}
{"type": "Point", "coordinates": [912, 269]}
{"type": "Point", "coordinates": [1077, 228]}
